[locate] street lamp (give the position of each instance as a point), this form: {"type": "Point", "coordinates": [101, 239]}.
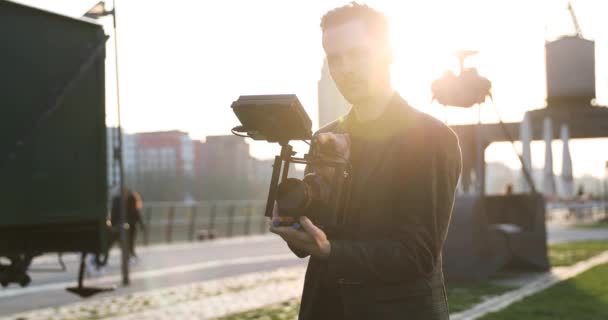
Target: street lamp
{"type": "Point", "coordinates": [98, 11]}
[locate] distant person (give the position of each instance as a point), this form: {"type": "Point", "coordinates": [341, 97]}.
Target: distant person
{"type": "Point", "coordinates": [133, 217]}
{"type": "Point", "coordinates": [509, 189]}
{"type": "Point", "coordinates": [581, 192]}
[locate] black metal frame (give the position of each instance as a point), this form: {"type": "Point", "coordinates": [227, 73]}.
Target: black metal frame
{"type": "Point", "coordinates": [339, 191]}
{"type": "Point", "coordinates": [81, 290]}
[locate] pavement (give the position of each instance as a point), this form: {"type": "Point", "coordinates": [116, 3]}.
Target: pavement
{"type": "Point", "coordinates": [173, 279]}
{"type": "Point", "coordinates": [159, 267]}
{"type": "Point", "coordinates": [564, 233]}
{"type": "Point", "coordinates": [200, 300]}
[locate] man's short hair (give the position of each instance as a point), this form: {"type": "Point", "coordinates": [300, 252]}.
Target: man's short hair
{"type": "Point", "coordinates": [375, 20]}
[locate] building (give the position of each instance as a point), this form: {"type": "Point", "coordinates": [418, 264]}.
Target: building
{"type": "Point", "coordinates": [150, 157]}
{"type": "Point", "coordinates": [230, 171]}
{"type": "Point", "coordinates": [226, 156]}
{"type": "Point", "coordinates": [332, 104]}
{"type": "Point", "coordinates": [263, 171]}
{"type": "Point", "coordinates": [129, 151]}
{"type": "Point", "coordinates": [170, 152]}
{"type": "Point", "coordinates": [198, 152]}
{"type": "Point", "coordinates": [169, 165]}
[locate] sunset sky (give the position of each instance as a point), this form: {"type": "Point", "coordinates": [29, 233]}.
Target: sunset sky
{"type": "Point", "coordinates": [183, 62]}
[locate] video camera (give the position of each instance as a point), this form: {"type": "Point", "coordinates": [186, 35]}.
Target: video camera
{"type": "Point", "coordinates": [281, 119]}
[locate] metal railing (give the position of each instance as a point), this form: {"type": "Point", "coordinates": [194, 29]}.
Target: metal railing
{"type": "Point", "coordinates": [576, 211]}
{"type": "Point", "coordinates": [177, 222]}
{"type": "Point", "coordinates": [167, 222]}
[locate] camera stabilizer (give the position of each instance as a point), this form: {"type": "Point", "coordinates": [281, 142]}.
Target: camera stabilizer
{"type": "Point", "coordinates": [281, 118]}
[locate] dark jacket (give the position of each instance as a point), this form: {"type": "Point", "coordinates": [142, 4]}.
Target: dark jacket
{"type": "Point", "coordinates": [133, 213]}
{"type": "Point", "coordinates": [389, 267]}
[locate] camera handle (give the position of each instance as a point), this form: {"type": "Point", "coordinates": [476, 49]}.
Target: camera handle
{"type": "Point", "coordinates": [279, 167]}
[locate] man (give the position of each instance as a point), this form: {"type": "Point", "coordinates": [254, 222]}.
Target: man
{"type": "Point", "coordinates": [405, 168]}
{"type": "Point", "coordinates": [133, 208]}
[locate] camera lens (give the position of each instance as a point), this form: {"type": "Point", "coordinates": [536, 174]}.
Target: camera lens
{"type": "Point", "coordinates": [292, 197]}
{"type": "Point", "coordinates": [298, 197]}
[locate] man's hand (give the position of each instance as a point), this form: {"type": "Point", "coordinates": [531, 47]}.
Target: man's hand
{"type": "Point", "coordinates": [331, 146]}
{"type": "Point", "coordinates": [310, 239]}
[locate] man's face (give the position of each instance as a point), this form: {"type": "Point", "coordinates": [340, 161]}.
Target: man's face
{"type": "Point", "coordinates": [358, 62]}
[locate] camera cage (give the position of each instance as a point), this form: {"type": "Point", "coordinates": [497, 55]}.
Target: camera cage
{"type": "Point", "coordinates": [281, 118]}
{"type": "Point", "coordinates": [280, 174]}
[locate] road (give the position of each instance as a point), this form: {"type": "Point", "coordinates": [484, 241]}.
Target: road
{"type": "Point", "coordinates": [560, 233]}
{"type": "Point", "coordinates": [164, 266]}
{"type": "Point", "coordinates": [158, 267]}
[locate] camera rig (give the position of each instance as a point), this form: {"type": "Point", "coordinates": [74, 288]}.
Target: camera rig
{"type": "Point", "coordinates": [281, 119]}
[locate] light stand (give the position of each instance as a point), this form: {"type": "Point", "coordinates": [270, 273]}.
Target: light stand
{"type": "Point", "coordinates": [98, 11]}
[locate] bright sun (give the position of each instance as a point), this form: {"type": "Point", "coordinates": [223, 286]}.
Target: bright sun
{"type": "Point", "coordinates": [424, 41]}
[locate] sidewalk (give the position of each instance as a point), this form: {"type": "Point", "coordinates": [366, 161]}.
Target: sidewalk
{"type": "Point", "coordinates": [203, 300]}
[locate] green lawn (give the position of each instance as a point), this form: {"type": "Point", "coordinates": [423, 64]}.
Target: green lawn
{"type": "Point", "coordinates": [565, 254]}
{"type": "Point", "coordinates": [595, 225]}
{"type": "Point", "coordinates": [464, 296]}
{"type": "Point", "coordinates": [582, 297]}
{"type": "Point", "coordinates": [286, 310]}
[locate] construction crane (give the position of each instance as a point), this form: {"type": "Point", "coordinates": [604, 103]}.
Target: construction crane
{"type": "Point", "coordinates": [577, 28]}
